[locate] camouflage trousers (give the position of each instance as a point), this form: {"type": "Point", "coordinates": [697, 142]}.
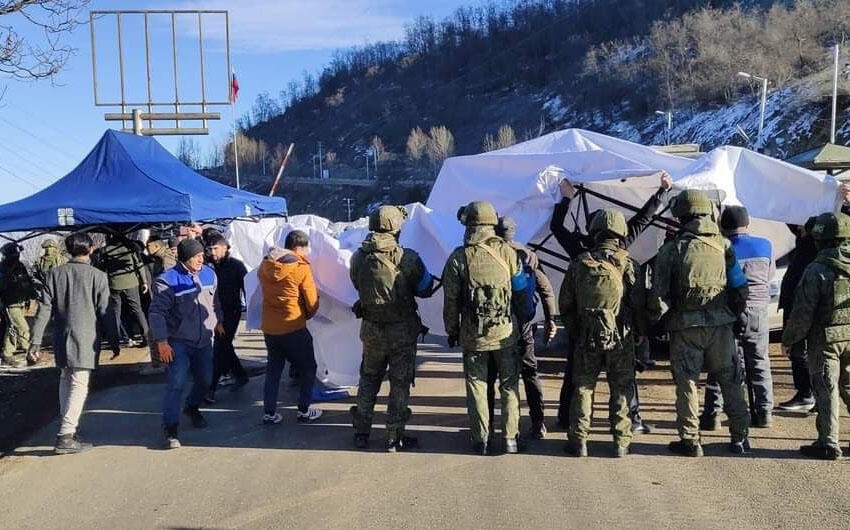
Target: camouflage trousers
{"type": "Point", "coordinates": [712, 349]}
{"type": "Point", "coordinates": [387, 347]}
{"type": "Point", "coordinates": [475, 367]}
{"type": "Point", "coordinates": [619, 366]}
{"type": "Point", "coordinates": [829, 367]}
{"type": "Point", "coordinates": [17, 330]}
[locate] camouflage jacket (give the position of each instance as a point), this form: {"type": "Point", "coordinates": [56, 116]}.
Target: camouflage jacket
{"type": "Point", "coordinates": [815, 310]}
{"type": "Point", "coordinates": [665, 295]}
{"type": "Point", "coordinates": [50, 259]}
{"type": "Point", "coordinates": [417, 280]}
{"type": "Point", "coordinates": [457, 307]}
{"type": "Point", "coordinates": [630, 320]}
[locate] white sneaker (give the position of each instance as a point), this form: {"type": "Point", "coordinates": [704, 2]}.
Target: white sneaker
{"type": "Point", "coordinates": [309, 416]}
{"type": "Point", "coordinates": [272, 419]}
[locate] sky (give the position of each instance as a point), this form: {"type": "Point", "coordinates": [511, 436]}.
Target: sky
{"type": "Point", "coordinates": [47, 128]}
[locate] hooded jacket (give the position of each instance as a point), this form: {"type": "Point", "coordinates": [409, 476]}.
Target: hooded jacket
{"type": "Point", "coordinates": [290, 297]}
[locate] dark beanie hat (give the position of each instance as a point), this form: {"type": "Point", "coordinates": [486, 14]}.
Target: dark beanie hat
{"type": "Point", "coordinates": [189, 248]}
{"type": "Point", "coordinates": [734, 217]}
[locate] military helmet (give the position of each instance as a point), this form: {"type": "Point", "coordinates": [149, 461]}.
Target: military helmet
{"type": "Point", "coordinates": [49, 243]}
{"type": "Point", "coordinates": [691, 202]}
{"type": "Point", "coordinates": [387, 219]}
{"type": "Point", "coordinates": [831, 226]}
{"type": "Point", "coordinates": [478, 213]}
{"type": "Point", "coordinates": [612, 221]}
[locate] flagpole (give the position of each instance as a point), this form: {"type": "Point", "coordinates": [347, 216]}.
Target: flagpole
{"type": "Point", "coordinates": [235, 136]}
{"type": "Point", "coordinates": [233, 90]}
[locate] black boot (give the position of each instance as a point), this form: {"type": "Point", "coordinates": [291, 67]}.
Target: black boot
{"type": "Point", "coordinates": [577, 449]}
{"type": "Point", "coordinates": [405, 443]}
{"type": "Point", "coordinates": [709, 422]}
{"type": "Point", "coordinates": [67, 444]}
{"type": "Point", "coordinates": [820, 452]}
{"type": "Point", "coordinates": [686, 448]}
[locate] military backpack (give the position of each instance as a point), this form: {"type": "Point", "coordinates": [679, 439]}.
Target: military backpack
{"type": "Point", "coordinates": [385, 293]}
{"type": "Point", "coordinates": [702, 273]}
{"type": "Point", "coordinates": [487, 304]}
{"type": "Point", "coordinates": [600, 288]}
{"type": "Point", "coordinates": [837, 326]}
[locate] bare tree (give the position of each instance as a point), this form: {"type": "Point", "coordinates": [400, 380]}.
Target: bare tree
{"type": "Point", "coordinates": [189, 152]}
{"type": "Point", "coordinates": [381, 151]}
{"type": "Point", "coordinates": [504, 138]}
{"type": "Point", "coordinates": [25, 57]}
{"type": "Point", "coordinates": [417, 144]}
{"type": "Point", "coordinates": [441, 145]}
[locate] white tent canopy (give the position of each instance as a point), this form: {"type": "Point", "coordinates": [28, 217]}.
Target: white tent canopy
{"type": "Point", "coordinates": [522, 181]}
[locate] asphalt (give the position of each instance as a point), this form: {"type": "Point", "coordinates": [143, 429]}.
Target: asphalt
{"type": "Point", "coordinates": [241, 474]}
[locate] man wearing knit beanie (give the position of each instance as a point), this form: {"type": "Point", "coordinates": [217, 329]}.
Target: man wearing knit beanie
{"type": "Point", "coordinates": [755, 254]}
{"type": "Point", "coordinates": [184, 315]}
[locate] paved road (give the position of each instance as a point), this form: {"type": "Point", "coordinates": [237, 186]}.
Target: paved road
{"type": "Point", "coordinates": [240, 474]}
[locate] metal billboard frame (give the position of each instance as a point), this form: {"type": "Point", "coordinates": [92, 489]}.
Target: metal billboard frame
{"type": "Point", "coordinates": [136, 116]}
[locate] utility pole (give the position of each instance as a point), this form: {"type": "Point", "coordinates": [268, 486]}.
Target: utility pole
{"type": "Point", "coordinates": [669, 116]}
{"type": "Point", "coordinates": [763, 80]}
{"type": "Point", "coordinates": [348, 203]}
{"type": "Point", "coordinates": [375, 166]}
{"type": "Point", "coordinates": [366, 157]}
{"type": "Point", "coordinates": [321, 172]}
{"type": "Point", "coordinates": [834, 96]}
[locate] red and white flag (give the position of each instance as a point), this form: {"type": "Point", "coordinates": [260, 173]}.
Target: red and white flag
{"type": "Point", "coordinates": [234, 87]}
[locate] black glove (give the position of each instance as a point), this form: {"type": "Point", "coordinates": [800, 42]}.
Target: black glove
{"type": "Point", "coordinates": [452, 341]}
{"type": "Point", "coordinates": [116, 351]}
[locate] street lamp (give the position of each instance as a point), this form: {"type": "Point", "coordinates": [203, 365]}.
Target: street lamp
{"type": "Point", "coordinates": [763, 81]}
{"type": "Point", "coordinates": [669, 116]}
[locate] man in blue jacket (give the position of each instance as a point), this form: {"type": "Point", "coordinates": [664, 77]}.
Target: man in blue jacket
{"type": "Point", "coordinates": [184, 314]}
{"type": "Point", "coordinates": [752, 330]}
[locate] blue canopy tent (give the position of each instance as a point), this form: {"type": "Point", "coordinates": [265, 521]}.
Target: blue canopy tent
{"type": "Point", "coordinates": [132, 180]}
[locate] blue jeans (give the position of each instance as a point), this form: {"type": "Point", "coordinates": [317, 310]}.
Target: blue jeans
{"type": "Point", "coordinates": [187, 359]}
{"type": "Point", "coordinates": [297, 348]}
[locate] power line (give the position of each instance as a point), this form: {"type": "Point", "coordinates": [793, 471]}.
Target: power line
{"type": "Point", "coordinates": [22, 179]}
{"type": "Point", "coordinates": [39, 139]}
{"type": "Point", "coordinates": [29, 161]}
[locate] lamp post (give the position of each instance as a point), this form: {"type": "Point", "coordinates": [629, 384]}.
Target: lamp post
{"type": "Point", "coordinates": [763, 81]}
{"type": "Point", "coordinates": [669, 116]}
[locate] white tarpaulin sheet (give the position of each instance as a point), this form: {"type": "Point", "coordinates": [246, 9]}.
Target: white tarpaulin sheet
{"type": "Point", "coordinates": [522, 181]}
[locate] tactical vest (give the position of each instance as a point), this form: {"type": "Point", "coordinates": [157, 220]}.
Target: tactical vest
{"type": "Point", "coordinates": [701, 276]}
{"type": "Point", "coordinates": [386, 295]}
{"type": "Point", "coordinates": [487, 303]}
{"type": "Point", "coordinates": [837, 327]}
{"type": "Point", "coordinates": [599, 294]}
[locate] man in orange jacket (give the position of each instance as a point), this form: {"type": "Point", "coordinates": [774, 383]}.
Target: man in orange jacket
{"type": "Point", "coordinates": [289, 300]}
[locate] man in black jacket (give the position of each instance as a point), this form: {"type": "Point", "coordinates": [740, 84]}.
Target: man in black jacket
{"type": "Point", "coordinates": [231, 285]}
{"type": "Point", "coordinates": [803, 254]}
{"type": "Point", "coordinates": [576, 243]}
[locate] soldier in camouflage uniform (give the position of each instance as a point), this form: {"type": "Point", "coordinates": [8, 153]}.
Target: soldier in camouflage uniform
{"type": "Point", "coordinates": [16, 290]}
{"type": "Point", "coordinates": [821, 316]}
{"type": "Point", "coordinates": [700, 288]}
{"type": "Point", "coordinates": [51, 258]}
{"type": "Point", "coordinates": [600, 303]}
{"type": "Point", "coordinates": [387, 278]}
{"type": "Point", "coordinates": [481, 280]}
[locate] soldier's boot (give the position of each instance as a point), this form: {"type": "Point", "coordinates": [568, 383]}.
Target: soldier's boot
{"type": "Point", "coordinates": [479, 448]}
{"type": "Point", "coordinates": [709, 422]}
{"type": "Point", "coordinates": [820, 452]}
{"type": "Point", "coordinates": [361, 441]}
{"type": "Point", "coordinates": [740, 448]}
{"type": "Point", "coordinates": [621, 451]}
{"type": "Point", "coordinates": [690, 448]}
{"type": "Point", "coordinates": [576, 448]}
